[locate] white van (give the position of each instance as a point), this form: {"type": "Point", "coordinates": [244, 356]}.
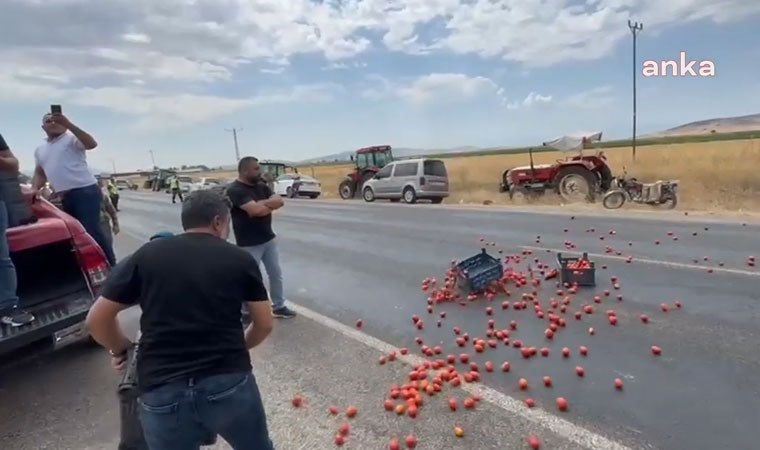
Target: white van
{"type": "Point", "coordinates": [410, 180]}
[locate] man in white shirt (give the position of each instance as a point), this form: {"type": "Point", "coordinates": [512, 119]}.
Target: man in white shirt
{"type": "Point", "coordinates": [62, 161]}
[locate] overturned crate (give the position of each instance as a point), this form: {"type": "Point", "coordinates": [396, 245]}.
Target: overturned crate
{"type": "Point", "coordinates": [579, 271]}
{"type": "Point", "coordinates": [477, 272]}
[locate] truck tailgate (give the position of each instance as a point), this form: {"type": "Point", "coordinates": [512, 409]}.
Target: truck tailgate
{"type": "Point", "coordinates": [50, 318]}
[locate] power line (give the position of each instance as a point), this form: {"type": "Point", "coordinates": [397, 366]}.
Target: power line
{"type": "Point", "coordinates": [234, 132]}
{"type": "Point", "coordinates": [635, 28]}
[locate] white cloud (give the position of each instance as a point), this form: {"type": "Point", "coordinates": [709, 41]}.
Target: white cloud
{"type": "Point", "coordinates": [534, 99]}
{"type": "Point", "coordinates": [156, 50]}
{"type": "Point", "coordinates": [433, 88]}
{"type": "Point", "coordinates": [595, 98]}
{"type": "Point", "coordinates": [345, 65]}
{"type": "Point", "coordinates": [541, 34]}
{"type": "Point", "coordinates": [136, 38]}
{"type": "Point", "coordinates": [273, 71]}
{"type": "Point", "coordinates": [154, 109]}
{"type": "Point", "coordinates": [449, 86]}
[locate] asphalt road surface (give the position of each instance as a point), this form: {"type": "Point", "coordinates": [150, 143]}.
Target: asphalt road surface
{"type": "Point", "coordinates": [348, 261]}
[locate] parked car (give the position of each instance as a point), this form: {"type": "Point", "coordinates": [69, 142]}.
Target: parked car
{"type": "Point", "coordinates": [221, 187]}
{"type": "Point", "coordinates": [185, 185]}
{"type": "Point", "coordinates": [122, 184]}
{"type": "Point", "coordinates": [203, 184]}
{"type": "Point", "coordinates": [410, 180]}
{"type": "Point", "coordinates": [309, 187]}
{"type": "Point", "coordinates": [60, 269]}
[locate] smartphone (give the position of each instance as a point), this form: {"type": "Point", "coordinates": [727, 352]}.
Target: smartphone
{"type": "Point", "coordinates": [55, 109]}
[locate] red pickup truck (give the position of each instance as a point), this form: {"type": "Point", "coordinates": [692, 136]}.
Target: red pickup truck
{"type": "Point", "coordinates": [60, 269]}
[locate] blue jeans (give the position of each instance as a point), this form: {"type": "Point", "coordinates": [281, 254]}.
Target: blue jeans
{"type": "Point", "coordinates": [84, 204]}
{"type": "Point", "coordinates": [268, 255]}
{"type": "Point", "coordinates": [8, 281]}
{"type": "Point", "coordinates": [178, 415]}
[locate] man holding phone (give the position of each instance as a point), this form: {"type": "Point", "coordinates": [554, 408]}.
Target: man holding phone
{"type": "Point", "coordinates": [62, 161]}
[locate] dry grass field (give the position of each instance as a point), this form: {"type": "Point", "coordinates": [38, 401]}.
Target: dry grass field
{"type": "Point", "coordinates": [721, 175]}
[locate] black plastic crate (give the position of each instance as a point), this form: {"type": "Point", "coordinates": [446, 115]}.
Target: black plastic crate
{"type": "Point", "coordinates": [581, 277]}
{"type": "Point", "coordinates": [477, 272]}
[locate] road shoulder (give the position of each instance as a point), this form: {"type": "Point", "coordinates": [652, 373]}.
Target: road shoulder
{"type": "Point", "coordinates": [326, 368]}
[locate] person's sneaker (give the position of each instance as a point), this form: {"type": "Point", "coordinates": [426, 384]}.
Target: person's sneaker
{"type": "Point", "coordinates": [283, 313]}
{"type": "Point", "coordinates": [18, 319]}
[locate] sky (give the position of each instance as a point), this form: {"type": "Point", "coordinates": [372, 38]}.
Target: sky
{"type": "Point", "coordinates": [306, 78]}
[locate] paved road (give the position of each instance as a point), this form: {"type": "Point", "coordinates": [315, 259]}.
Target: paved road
{"type": "Point", "coordinates": [350, 260]}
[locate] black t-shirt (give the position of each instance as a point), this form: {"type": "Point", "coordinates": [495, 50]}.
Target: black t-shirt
{"type": "Point", "coordinates": [249, 231]}
{"type": "Point", "coordinates": [190, 288]}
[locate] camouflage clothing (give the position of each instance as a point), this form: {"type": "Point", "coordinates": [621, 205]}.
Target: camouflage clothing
{"type": "Point", "coordinates": [108, 217]}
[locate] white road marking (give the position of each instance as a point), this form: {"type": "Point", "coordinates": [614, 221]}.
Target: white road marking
{"type": "Point", "coordinates": [561, 427]}
{"type": "Point", "coordinates": [552, 210]}
{"type": "Point", "coordinates": [656, 262]}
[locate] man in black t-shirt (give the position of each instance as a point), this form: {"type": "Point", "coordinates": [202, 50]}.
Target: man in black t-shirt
{"type": "Point", "coordinates": [252, 205]}
{"type": "Point", "coordinates": [10, 314]}
{"type": "Point", "coordinates": [193, 367]}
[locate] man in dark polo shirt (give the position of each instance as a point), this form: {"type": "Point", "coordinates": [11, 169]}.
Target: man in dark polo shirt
{"type": "Point", "coordinates": [252, 205]}
{"type": "Point", "coordinates": [10, 314]}
{"type": "Point", "coordinates": [193, 367]}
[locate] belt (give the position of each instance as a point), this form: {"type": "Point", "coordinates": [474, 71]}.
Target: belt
{"type": "Point", "coordinates": [61, 194]}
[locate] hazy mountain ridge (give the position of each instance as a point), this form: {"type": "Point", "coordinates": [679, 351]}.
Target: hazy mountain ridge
{"type": "Point", "coordinates": [701, 127]}
{"type": "Point", "coordinates": [400, 152]}
{"type": "Point", "coordinates": [736, 124]}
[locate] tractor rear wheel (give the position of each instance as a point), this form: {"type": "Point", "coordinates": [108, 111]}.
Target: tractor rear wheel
{"type": "Point", "coordinates": [576, 184]}
{"type": "Point", "coordinates": [346, 189]}
{"type": "Point", "coordinates": [516, 194]}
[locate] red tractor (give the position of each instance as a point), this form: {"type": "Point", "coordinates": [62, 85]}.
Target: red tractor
{"type": "Point", "coordinates": [368, 160]}
{"type": "Point", "coordinates": [577, 177]}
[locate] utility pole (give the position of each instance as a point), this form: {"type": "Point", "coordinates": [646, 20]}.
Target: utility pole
{"type": "Point", "coordinates": [113, 165]}
{"type": "Point", "coordinates": [152, 158]}
{"type": "Point", "coordinates": [234, 132]}
{"type": "Point", "coordinates": [635, 27]}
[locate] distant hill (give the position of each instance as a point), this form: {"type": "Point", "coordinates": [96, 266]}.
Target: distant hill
{"type": "Point", "coordinates": [699, 128]}
{"type": "Point", "coordinates": [713, 126]}
{"type": "Point", "coordinates": [400, 152]}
